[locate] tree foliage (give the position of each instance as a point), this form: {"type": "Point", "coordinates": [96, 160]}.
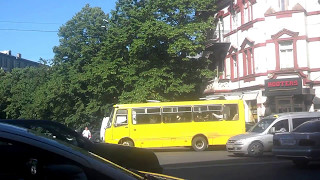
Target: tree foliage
{"type": "Point", "coordinates": [146, 49]}
{"type": "Point", "coordinates": [18, 89]}
{"type": "Point", "coordinates": [153, 44]}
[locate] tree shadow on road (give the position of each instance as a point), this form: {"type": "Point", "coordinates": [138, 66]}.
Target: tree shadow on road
{"type": "Point", "coordinates": [185, 149]}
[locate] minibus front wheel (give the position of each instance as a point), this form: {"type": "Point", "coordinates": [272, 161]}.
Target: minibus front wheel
{"type": "Point", "coordinates": [126, 142]}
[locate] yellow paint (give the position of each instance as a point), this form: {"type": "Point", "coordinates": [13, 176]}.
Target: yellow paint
{"type": "Point", "coordinates": [116, 165]}
{"type": "Point", "coordinates": [161, 175]}
{"type": "Point", "coordinates": [176, 134]}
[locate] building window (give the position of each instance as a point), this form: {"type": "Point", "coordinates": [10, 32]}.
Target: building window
{"type": "Point", "coordinates": [235, 66]}
{"type": "Point", "coordinates": [247, 11]}
{"type": "Point", "coordinates": [286, 54]}
{"type": "Point", "coordinates": [228, 69]}
{"type": "Point", "coordinates": [283, 5]}
{"type": "Point", "coordinates": [248, 61]}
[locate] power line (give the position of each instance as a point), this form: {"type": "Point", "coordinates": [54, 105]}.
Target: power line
{"type": "Point", "coordinates": [26, 22]}
{"type": "Point", "coordinates": [29, 30]}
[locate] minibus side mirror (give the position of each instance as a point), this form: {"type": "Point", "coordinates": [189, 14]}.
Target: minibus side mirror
{"type": "Point", "coordinates": [120, 124]}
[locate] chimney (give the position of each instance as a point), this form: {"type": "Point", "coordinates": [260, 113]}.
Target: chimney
{"type": "Point", "coordinates": [18, 55]}
{"type": "Point", "coordinates": [7, 52]}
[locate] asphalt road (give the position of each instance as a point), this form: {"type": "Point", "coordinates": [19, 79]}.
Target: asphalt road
{"type": "Point", "coordinates": [219, 164]}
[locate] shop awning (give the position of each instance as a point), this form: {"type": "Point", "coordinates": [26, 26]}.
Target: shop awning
{"type": "Point", "coordinates": [250, 96]}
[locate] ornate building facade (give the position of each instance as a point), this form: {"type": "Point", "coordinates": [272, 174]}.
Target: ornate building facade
{"type": "Point", "coordinates": [267, 53]}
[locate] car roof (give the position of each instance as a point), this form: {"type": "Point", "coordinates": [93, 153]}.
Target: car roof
{"type": "Point", "coordinates": [31, 121]}
{"type": "Point", "coordinates": [24, 132]}
{"type": "Point", "coordinates": [295, 114]}
{"type": "Point", "coordinates": [26, 136]}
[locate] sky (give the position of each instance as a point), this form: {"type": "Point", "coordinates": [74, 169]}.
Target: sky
{"type": "Point", "coordinates": [30, 27]}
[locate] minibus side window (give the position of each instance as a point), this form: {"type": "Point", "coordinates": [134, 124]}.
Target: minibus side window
{"type": "Point", "coordinates": [230, 112]}
{"type": "Point", "coordinates": [121, 117]}
{"type": "Point", "coordinates": [212, 112]}
{"type": "Point", "coordinates": [148, 115]}
{"type": "Point", "coordinates": [177, 114]}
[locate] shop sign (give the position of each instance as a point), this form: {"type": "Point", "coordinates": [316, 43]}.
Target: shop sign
{"type": "Point", "coordinates": [284, 87]}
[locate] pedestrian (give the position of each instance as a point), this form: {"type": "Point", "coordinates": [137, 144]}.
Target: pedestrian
{"type": "Point", "coordinates": [86, 133]}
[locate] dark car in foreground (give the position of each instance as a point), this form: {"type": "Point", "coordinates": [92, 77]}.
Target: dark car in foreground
{"type": "Point", "coordinates": [27, 154]}
{"type": "Point", "coordinates": [302, 145]}
{"type": "Point", "coordinates": [128, 157]}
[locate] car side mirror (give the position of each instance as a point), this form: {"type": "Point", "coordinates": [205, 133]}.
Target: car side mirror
{"type": "Point", "coordinates": [272, 130]}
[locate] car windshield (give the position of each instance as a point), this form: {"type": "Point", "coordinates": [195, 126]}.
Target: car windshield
{"type": "Point", "coordinates": [262, 125]}
{"type": "Point", "coordinates": [309, 126]}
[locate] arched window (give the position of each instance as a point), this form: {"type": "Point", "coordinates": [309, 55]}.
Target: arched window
{"type": "Point", "coordinates": [286, 50]}
{"type": "Point", "coordinates": [248, 57]}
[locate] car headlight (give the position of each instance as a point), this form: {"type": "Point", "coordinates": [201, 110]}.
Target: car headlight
{"type": "Point", "coordinates": [239, 142]}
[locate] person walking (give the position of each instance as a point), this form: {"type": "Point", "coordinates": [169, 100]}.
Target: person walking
{"type": "Point", "coordinates": [86, 133]}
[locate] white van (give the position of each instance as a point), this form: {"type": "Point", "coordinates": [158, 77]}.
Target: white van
{"type": "Point", "coordinates": [103, 128]}
{"type": "Point", "coordinates": [259, 138]}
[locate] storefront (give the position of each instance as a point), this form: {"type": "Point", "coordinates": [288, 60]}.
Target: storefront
{"type": "Point", "coordinates": [287, 95]}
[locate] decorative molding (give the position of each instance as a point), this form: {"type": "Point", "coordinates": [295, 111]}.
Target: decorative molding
{"type": "Point", "coordinates": [298, 7]}
{"type": "Point", "coordinates": [313, 39]}
{"type": "Point", "coordinates": [232, 49]}
{"type": "Point", "coordinates": [313, 13]}
{"type": "Point", "coordinates": [284, 31]}
{"type": "Point", "coordinates": [282, 14]}
{"type": "Point", "coordinates": [244, 27]}
{"type": "Point", "coordinates": [245, 42]}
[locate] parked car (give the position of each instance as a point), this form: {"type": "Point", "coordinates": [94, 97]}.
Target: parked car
{"type": "Point", "coordinates": [27, 154]}
{"type": "Point", "coordinates": [259, 138]}
{"type": "Point", "coordinates": [128, 157]}
{"type": "Point", "coordinates": [301, 145]}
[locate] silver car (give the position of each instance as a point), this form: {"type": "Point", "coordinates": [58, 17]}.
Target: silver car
{"type": "Point", "coordinates": [259, 138]}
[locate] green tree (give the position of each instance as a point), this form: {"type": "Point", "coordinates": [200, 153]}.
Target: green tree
{"type": "Point", "coordinates": [4, 93]}
{"type": "Point", "coordinates": [79, 91]}
{"type": "Point", "coordinates": [17, 91]}
{"type": "Point", "coordinates": [153, 44]}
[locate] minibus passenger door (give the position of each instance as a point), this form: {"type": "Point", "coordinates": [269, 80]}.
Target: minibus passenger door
{"type": "Point", "coordinates": [120, 126]}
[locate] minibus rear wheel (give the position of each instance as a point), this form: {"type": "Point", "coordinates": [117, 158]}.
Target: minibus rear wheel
{"type": "Point", "coordinates": [199, 143]}
{"type": "Point", "coordinates": [127, 142]}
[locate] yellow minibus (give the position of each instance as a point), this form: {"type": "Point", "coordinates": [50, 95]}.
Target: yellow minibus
{"type": "Point", "coordinates": [171, 124]}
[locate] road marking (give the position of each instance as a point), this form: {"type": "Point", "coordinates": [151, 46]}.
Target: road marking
{"type": "Point", "coordinates": [228, 164]}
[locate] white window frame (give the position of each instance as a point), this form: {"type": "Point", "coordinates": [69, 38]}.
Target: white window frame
{"type": "Point", "coordinates": [286, 54]}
